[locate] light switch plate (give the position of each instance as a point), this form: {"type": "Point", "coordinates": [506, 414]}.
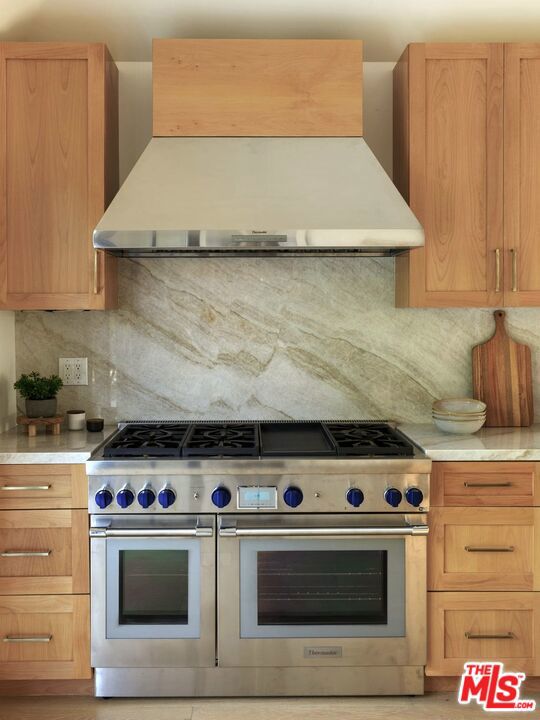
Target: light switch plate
{"type": "Point", "coordinates": [73, 371]}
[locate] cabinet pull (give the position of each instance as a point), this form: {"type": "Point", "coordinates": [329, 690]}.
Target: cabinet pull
{"type": "Point", "coordinates": [25, 553]}
{"type": "Point", "coordinates": [25, 487]}
{"type": "Point", "coordinates": [28, 638]}
{"type": "Point", "coordinates": [514, 270]}
{"type": "Point", "coordinates": [96, 272]}
{"type": "Point", "coordinates": [498, 270]}
{"type": "Point", "coordinates": [492, 484]}
{"type": "Point", "coordinates": [486, 548]}
{"type": "Point", "coordinates": [489, 636]}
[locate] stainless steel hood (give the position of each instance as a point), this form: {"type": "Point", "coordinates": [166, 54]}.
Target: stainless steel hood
{"type": "Point", "coordinates": [202, 196]}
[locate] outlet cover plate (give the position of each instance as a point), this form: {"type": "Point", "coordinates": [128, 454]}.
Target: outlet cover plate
{"type": "Point", "coordinates": [73, 371]}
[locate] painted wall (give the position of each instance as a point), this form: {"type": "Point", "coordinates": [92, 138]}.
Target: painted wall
{"type": "Point", "coordinates": [387, 25]}
{"type": "Point", "coordinates": [262, 338]}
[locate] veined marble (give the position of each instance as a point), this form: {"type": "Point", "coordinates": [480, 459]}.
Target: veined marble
{"type": "Point", "coordinates": [263, 338]}
{"type": "Point", "coordinates": [487, 444]}
{"type": "Point", "coordinates": [71, 446]}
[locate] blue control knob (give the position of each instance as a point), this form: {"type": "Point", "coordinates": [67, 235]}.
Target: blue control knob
{"type": "Point", "coordinates": [146, 497]}
{"type": "Point", "coordinates": [125, 497]}
{"type": "Point", "coordinates": [166, 497]}
{"type": "Point", "coordinates": [293, 496]}
{"type": "Point", "coordinates": [392, 497]}
{"type": "Point", "coordinates": [103, 498]}
{"type": "Point", "coordinates": [355, 497]}
{"type": "Point", "coordinates": [221, 497]}
{"type": "Point", "coordinates": [414, 496]}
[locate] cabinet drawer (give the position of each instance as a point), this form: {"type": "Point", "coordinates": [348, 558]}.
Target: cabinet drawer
{"type": "Point", "coordinates": [44, 636]}
{"type": "Point", "coordinates": [43, 551]}
{"type": "Point", "coordinates": [482, 626]}
{"type": "Point", "coordinates": [488, 484]}
{"type": "Point", "coordinates": [42, 486]}
{"type": "Point", "coordinates": [482, 549]}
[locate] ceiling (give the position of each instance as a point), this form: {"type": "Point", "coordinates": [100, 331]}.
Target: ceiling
{"type": "Point", "coordinates": [386, 26]}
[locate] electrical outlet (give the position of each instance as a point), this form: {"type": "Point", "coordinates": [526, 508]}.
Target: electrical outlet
{"type": "Point", "coordinates": [73, 371]}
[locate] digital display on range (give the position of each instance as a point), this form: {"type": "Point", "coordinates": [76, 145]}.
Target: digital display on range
{"type": "Point", "coordinates": [257, 497]}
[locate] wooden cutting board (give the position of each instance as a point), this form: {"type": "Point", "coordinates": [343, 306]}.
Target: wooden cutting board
{"type": "Point", "coordinates": [502, 378]}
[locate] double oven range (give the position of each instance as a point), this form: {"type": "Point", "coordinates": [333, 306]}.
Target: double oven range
{"type": "Point", "coordinates": [258, 558]}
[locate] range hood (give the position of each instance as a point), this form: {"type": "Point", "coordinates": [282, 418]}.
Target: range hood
{"type": "Point", "coordinates": [206, 186]}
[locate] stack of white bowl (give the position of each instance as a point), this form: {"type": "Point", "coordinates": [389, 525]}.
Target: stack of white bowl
{"type": "Point", "coordinates": [462, 416]}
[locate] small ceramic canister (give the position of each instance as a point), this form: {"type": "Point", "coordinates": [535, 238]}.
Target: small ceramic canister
{"type": "Point", "coordinates": [76, 419]}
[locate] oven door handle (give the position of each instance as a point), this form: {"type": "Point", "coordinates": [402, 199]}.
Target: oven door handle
{"type": "Point", "coordinates": [151, 532]}
{"type": "Point", "coordinates": [233, 531]}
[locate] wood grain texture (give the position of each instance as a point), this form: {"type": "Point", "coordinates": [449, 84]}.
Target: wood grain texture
{"type": "Point", "coordinates": [257, 88]}
{"type": "Point", "coordinates": [29, 688]}
{"type": "Point", "coordinates": [68, 487]}
{"type": "Point", "coordinates": [452, 567]}
{"type": "Point", "coordinates": [502, 378]}
{"type": "Point", "coordinates": [522, 174]}
{"type": "Point", "coordinates": [454, 171]}
{"type": "Point", "coordinates": [485, 484]}
{"type": "Point", "coordinates": [65, 617]}
{"type": "Point", "coordinates": [451, 614]}
{"type": "Point", "coordinates": [55, 161]}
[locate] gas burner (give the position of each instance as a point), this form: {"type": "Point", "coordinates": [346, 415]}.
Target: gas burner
{"type": "Point", "coordinates": [369, 440]}
{"type": "Point", "coordinates": [148, 440]}
{"type": "Point", "coordinates": [222, 439]}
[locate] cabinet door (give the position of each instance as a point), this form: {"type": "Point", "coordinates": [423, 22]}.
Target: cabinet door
{"type": "Point", "coordinates": [448, 108]}
{"type": "Point", "coordinates": [522, 174]}
{"type": "Point", "coordinates": [57, 142]}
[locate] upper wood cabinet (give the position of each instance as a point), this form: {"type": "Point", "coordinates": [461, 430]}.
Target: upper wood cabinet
{"type": "Point", "coordinates": [58, 173]}
{"type": "Point", "coordinates": [466, 152]}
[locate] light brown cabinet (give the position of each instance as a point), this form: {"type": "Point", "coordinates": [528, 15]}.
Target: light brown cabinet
{"type": "Point", "coordinates": [58, 173]}
{"type": "Point", "coordinates": [466, 151]}
{"type": "Point", "coordinates": [44, 573]}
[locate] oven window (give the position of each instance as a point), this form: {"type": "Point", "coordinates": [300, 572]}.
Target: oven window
{"type": "Point", "coordinates": [153, 587]}
{"type": "Point", "coordinates": [323, 587]}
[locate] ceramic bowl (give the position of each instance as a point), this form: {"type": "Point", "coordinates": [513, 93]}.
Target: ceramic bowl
{"type": "Point", "coordinates": [458, 416]}
{"type": "Point", "coordinates": [459, 406]}
{"type": "Point", "coordinates": [459, 427]}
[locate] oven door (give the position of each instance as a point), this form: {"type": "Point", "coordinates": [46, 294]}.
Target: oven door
{"type": "Point", "coordinates": [321, 590]}
{"type": "Point", "coordinates": [153, 591]}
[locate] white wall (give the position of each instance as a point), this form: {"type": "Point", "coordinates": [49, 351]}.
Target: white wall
{"type": "Point", "coordinates": [7, 370]}
{"type": "Point", "coordinates": [385, 25]}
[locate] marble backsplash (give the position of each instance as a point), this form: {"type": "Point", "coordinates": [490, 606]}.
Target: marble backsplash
{"type": "Point", "coordinates": [263, 338]}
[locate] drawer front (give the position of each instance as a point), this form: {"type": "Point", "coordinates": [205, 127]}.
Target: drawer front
{"type": "Point", "coordinates": [481, 549]}
{"type": "Point", "coordinates": [484, 484]}
{"type": "Point", "coordinates": [43, 551]}
{"type": "Point", "coordinates": [42, 486]}
{"type": "Point", "coordinates": [44, 637]}
{"type": "Point", "coordinates": [482, 626]}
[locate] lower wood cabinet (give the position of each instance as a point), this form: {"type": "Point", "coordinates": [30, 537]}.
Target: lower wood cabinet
{"type": "Point", "coordinates": [44, 573]}
{"type": "Point", "coordinates": [465, 626]}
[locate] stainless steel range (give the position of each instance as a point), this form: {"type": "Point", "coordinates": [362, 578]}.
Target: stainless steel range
{"type": "Point", "coordinates": [258, 558]}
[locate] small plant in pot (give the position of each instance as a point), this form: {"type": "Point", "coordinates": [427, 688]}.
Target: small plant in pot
{"type": "Point", "coordinates": [39, 393]}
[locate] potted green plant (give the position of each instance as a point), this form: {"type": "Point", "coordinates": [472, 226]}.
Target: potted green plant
{"type": "Point", "coordinates": [39, 393]}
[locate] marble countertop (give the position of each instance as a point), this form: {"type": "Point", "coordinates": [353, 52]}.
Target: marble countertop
{"type": "Point", "coordinates": [71, 446]}
{"type": "Point", "coordinates": [486, 444]}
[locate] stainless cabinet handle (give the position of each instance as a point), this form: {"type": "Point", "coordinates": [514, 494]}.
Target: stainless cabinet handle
{"type": "Point", "coordinates": [486, 548]}
{"type": "Point", "coordinates": [25, 487]}
{"type": "Point", "coordinates": [151, 532]}
{"type": "Point", "coordinates": [323, 532]}
{"type": "Point", "coordinates": [96, 272]}
{"type": "Point", "coordinates": [28, 638]}
{"type": "Point", "coordinates": [25, 553]}
{"type": "Point", "coordinates": [514, 270]}
{"type": "Point", "coordinates": [498, 270]}
{"type": "Point", "coordinates": [488, 485]}
{"type": "Point", "coordinates": [494, 636]}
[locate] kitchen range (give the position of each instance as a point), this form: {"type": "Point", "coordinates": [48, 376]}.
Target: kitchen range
{"type": "Point", "coordinates": [258, 558]}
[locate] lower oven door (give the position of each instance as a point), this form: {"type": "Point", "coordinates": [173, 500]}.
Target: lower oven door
{"type": "Point", "coordinates": [153, 591]}
{"type": "Point", "coordinates": [321, 591]}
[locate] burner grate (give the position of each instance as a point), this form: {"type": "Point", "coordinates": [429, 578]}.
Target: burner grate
{"type": "Point", "coordinates": [217, 439]}
{"type": "Point", "coordinates": [378, 440]}
{"type": "Point", "coordinates": [148, 440]}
